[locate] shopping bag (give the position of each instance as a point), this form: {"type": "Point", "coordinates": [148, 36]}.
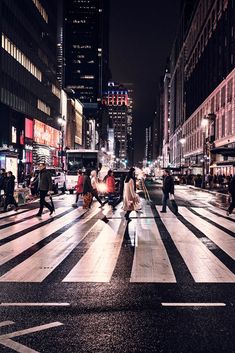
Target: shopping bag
{"type": "Point", "coordinates": [174, 206]}
{"type": "Point", "coordinates": [171, 197]}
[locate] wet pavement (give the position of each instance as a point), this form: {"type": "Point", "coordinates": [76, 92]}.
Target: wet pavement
{"type": "Point", "coordinates": [93, 282]}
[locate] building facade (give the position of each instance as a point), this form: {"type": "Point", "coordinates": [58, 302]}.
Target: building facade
{"type": "Point", "coordinates": [116, 100]}
{"type": "Point", "coordinates": [30, 93]}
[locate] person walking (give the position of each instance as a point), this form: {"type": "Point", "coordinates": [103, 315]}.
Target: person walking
{"type": "Point", "coordinates": [110, 184]}
{"type": "Point", "coordinates": [168, 188]}
{"type": "Point", "coordinates": [231, 190]}
{"type": "Point", "coordinates": [44, 183]}
{"type": "Point", "coordinates": [131, 200]}
{"type": "Point", "coordinates": [79, 187]}
{"type": "Point", "coordinates": [94, 184]}
{"type": "Point", "coordinates": [9, 192]}
{"type": "Point", "coordinates": [87, 190]}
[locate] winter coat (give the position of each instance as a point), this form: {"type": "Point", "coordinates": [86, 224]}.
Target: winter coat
{"type": "Point", "coordinates": [10, 185]}
{"type": "Point", "coordinates": [231, 187]}
{"type": "Point", "coordinates": [44, 180]}
{"type": "Point", "coordinates": [94, 180]}
{"type": "Point", "coordinates": [131, 200]}
{"type": "Point", "coordinates": [3, 181]}
{"type": "Point", "coordinates": [87, 184]}
{"type": "Point", "coordinates": [110, 183]}
{"type": "Point", "coordinates": [79, 186]}
{"type": "Point", "coordinates": [168, 185]}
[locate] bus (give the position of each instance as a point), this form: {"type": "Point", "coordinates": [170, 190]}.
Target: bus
{"type": "Point", "coordinates": [80, 159]}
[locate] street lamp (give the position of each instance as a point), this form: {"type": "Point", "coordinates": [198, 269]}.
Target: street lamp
{"type": "Point", "coordinates": [182, 142]}
{"type": "Point", "coordinates": [61, 121]}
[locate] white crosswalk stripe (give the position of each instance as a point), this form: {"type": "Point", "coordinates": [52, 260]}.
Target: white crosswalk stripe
{"type": "Point", "coordinates": [151, 262]}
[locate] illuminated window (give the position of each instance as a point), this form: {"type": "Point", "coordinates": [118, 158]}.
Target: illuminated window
{"type": "Point", "coordinates": [20, 57]}
{"type": "Point", "coordinates": [41, 10]}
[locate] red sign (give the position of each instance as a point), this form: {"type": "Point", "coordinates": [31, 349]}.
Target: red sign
{"type": "Point", "coordinates": [45, 134]}
{"type": "Point", "coordinates": [29, 128]}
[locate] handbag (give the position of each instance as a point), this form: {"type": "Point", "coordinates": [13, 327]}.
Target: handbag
{"type": "Point", "coordinates": [171, 197]}
{"type": "Point", "coordinates": [52, 203]}
{"type": "Point", "coordinates": [173, 203]}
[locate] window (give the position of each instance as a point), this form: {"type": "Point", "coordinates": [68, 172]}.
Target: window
{"type": "Point", "coordinates": [229, 123]}
{"type": "Point", "coordinates": [230, 90]}
{"type": "Point", "coordinates": [20, 57]}
{"type": "Point", "coordinates": [223, 126]}
{"type": "Point", "coordinates": [55, 91]}
{"type": "Point", "coordinates": [217, 105]}
{"type": "Point", "coordinates": [223, 96]}
{"type": "Point", "coordinates": [43, 107]}
{"type": "Point", "coordinates": [41, 10]}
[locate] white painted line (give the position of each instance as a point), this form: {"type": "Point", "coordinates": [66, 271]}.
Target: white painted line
{"type": "Point", "coordinates": [38, 266]}
{"type": "Point", "coordinates": [12, 213]}
{"type": "Point", "coordinates": [225, 241]}
{"type": "Point", "coordinates": [151, 263]}
{"type": "Point", "coordinates": [194, 304]}
{"type": "Point", "coordinates": [17, 347]}
{"type": "Point", "coordinates": [201, 262]}
{"type": "Point", "coordinates": [98, 263]}
{"type": "Point", "coordinates": [15, 247]}
{"type": "Point", "coordinates": [226, 223]}
{"type": "Point", "coordinates": [6, 323]}
{"type": "Point", "coordinates": [30, 330]}
{"type": "Point", "coordinates": [33, 304]}
{"type": "Point", "coordinates": [19, 227]}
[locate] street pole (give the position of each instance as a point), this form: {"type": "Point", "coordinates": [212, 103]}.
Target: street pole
{"type": "Point", "coordinates": [204, 161]}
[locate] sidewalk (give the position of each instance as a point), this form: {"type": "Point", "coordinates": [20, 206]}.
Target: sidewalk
{"type": "Point", "coordinates": [212, 191]}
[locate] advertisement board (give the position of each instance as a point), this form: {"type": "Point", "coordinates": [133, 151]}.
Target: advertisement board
{"type": "Point", "coordinates": [12, 165]}
{"type": "Point", "coordinates": [45, 134]}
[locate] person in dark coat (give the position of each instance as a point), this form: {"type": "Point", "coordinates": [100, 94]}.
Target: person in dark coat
{"type": "Point", "coordinates": [168, 188]}
{"type": "Point", "coordinates": [9, 192]}
{"type": "Point", "coordinates": [44, 183]}
{"type": "Point", "coordinates": [2, 178]}
{"type": "Point", "coordinates": [231, 190]}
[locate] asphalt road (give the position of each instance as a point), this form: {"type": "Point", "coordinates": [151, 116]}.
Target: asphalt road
{"type": "Point", "coordinates": [58, 295]}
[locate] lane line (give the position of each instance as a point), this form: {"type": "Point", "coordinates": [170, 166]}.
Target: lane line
{"type": "Point", "coordinates": [194, 304]}
{"type": "Point", "coordinates": [16, 346]}
{"type": "Point", "coordinates": [31, 304]}
{"type": "Point", "coordinates": [6, 323]}
{"type": "Point", "coordinates": [225, 241]}
{"type": "Point", "coordinates": [202, 264]}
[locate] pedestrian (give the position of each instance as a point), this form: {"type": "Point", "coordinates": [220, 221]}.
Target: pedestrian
{"type": "Point", "coordinates": [231, 190]}
{"type": "Point", "coordinates": [168, 188]}
{"type": "Point", "coordinates": [33, 186]}
{"type": "Point", "coordinates": [44, 183]}
{"type": "Point", "coordinates": [110, 184]}
{"type": "Point", "coordinates": [9, 192]}
{"type": "Point", "coordinates": [87, 190]}
{"type": "Point", "coordinates": [131, 201]}
{"type": "Point", "coordinates": [79, 187]}
{"type": "Point", "coordinates": [95, 187]}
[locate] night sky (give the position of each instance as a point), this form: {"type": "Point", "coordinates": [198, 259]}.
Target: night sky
{"type": "Point", "coordinates": [141, 37]}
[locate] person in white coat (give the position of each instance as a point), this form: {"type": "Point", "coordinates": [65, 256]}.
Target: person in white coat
{"type": "Point", "coordinates": [94, 184]}
{"type": "Point", "coordinates": [131, 201]}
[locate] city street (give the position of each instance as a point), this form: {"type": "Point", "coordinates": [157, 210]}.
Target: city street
{"type": "Point", "coordinates": [89, 281]}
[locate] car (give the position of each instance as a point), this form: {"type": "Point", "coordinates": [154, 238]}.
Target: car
{"type": "Point", "coordinates": [58, 179]}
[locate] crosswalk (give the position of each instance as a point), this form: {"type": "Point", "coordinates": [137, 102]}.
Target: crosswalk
{"type": "Point", "coordinates": [32, 249]}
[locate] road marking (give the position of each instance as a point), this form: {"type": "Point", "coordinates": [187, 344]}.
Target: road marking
{"type": "Point", "coordinates": [12, 213]}
{"type": "Point", "coordinates": [6, 341]}
{"type": "Point", "coordinates": [226, 223]}
{"type": "Point", "coordinates": [193, 304]}
{"type": "Point", "coordinates": [33, 304]}
{"type": "Point", "coordinates": [202, 264]}
{"type": "Point", "coordinates": [6, 323]}
{"type": "Point", "coordinates": [98, 263]}
{"type": "Point", "coordinates": [17, 246]}
{"type": "Point", "coordinates": [151, 263]}
{"type": "Point", "coordinates": [225, 241]}
{"type": "Point", "coordinates": [38, 266]}
{"type": "Point", "coordinates": [19, 227]}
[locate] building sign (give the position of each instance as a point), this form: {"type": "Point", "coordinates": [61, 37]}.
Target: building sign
{"type": "Point", "coordinates": [12, 165]}
{"type": "Point", "coordinates": [78, 128]}
{"type": "Point", "coordinates": [13, 134]}
{"type": "Point", "coordinates": [29, 128]}
{"type": "Point", "coordinates": [46, 135]}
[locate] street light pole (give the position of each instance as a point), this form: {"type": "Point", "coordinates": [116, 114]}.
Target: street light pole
{"type": "Point", "coordinates": [182, 142]}
{"type": "Point", "coordinates": [61, 122]}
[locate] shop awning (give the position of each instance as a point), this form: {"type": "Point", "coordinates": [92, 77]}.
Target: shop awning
{"type": "Point", "coordinates": [225, 151]}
